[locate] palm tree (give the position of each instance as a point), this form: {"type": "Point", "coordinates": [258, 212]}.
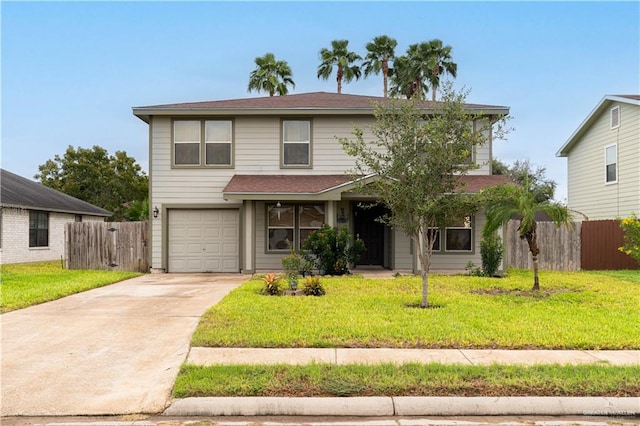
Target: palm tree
{"type": "Point", "coordinates": [410, 72]}
{"type": "Point", "coordinates": [379, 53]}
{"type": "Point", "coordinates": [439, 62]}
{"type": "Point", "coordinates": [271, 76]}
{"type": "Point", "coordinates": [508, 201]}
{"type": "Point", "coordinates": [345, 62]}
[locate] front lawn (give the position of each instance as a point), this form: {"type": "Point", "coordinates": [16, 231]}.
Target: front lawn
{"type": "Point", "coordinates": [27, 284]}
{"type": "Point", "coordinates": [321, 380]}
{"type": "Point", "coordinates": [573, 310]}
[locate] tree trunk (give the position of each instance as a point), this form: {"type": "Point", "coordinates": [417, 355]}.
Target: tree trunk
{"type": "Point", "coordinates": [339, 79]}
{"type": "Point", "coordinates": [536, 281]}
{"type": "Point", "coordinates": [385, 74]}
{"type": "Point", "coordinates": [532, 240]}
{"type": "Point", "coordinates": [425, 289]}
{"type": "Point", "coordinates": [424, 245]}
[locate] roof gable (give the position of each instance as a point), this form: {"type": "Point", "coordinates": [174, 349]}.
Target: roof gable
{"type": "Point", "coordinates": [16, 191]}
{"type": "Point", "coordinates": [604, 103]}
{"type": "Point", "coordinates": [315, 102]}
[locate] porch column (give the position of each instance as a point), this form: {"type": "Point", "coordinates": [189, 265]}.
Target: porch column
{"type": "Point", "coordinates": [331, 213]}
{"type": "Point", "coordinates": [248, 236]}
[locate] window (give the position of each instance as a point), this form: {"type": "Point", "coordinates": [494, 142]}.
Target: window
{"type": "Point", "coordinates": [78, 218]}
{"type": "Point", "coordinates": [615, 117]}
{"type": "Point", "coordinates": [459, 237]}
{"type": "Point", "coordinates": [290, 224]}
{"type": "Point", "coordinates": [38, 229]}
{"type": "Point", "coordinates": [186, 142]}
{"type": "Point", "coordinates": [610, 163]}
{"type": "Point", "coordinates": [296, 143]}
{"type": "Point", "coordinates": [218, 143]}
{"type": "Point", "coordinates": [189, 144]}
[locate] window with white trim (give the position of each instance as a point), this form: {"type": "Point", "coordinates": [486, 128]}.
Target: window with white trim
{"type": "Point", "coordinates": [38, 229]}
{"type": "Point", "coordinates": [611, 164]}
{"type": "Point", "coordinates": [289, 225]}
{"type": "Point", "coordinates": [203, 143]}
{"type": "Point", "coordinates": [296, 143]}
{"type": "Point", "coordinates": [459, 237]}
{"type": "Point", "coordinates": [615, 117]}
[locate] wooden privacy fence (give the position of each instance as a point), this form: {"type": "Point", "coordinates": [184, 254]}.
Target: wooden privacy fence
{"type": "Point", "coordinates": [600, 242]}
{"type": "Point", "coordinates": [118, 246]}
{"type": "Point", "coordinates": [559, 247]}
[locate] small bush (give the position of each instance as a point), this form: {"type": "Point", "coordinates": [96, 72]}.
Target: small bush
{"type": "Point", "coordinates": [631, 228]}
{"type": "Point", "coordinates": [331, 251]}
{"type": "Point", "coordinates": [271, 285]}
{"type": "Point", "coordinates": [313, 287]}
{"type": "Point", "coordinates": [491, 252]}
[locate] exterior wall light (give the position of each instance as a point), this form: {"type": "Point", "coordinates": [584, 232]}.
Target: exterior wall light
{"type": "Point", "coordinates": [155, 212]}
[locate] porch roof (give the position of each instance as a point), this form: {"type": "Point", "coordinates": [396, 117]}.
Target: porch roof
{"type": "Point", "coordinates": [322, 187]}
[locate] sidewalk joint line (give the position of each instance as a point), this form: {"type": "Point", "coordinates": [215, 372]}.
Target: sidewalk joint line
{"type": "Point", "coordinates": [465, 356]}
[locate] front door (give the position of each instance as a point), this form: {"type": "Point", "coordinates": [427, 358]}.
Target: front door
{"type": "Point", "coordinates": [371, 232]}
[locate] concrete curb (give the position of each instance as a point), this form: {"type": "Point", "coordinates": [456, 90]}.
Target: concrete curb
{"type": "Point", "coordinates": [405, 406]}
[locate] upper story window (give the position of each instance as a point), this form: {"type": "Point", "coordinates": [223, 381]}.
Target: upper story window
{"type": "Point", "coordinates": [611, 164]}
{"type": "Point", "coordinates": [296, 143]}
{"type": "Point", "coordinates": [615, 117]}
{"type": "Point", "coordinates": [202, 143]}
{"type": "Point", "coordinates": [38, 229]}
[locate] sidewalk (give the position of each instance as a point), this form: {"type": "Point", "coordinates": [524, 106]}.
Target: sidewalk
{"type": "Point", "coordinates": [301, 356]}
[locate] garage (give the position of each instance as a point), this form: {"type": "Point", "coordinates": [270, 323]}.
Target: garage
{"type": "Point", "coordinates": [204, 240]}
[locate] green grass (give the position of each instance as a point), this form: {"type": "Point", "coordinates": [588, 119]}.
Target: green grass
{"type": "Point", "coordinates": [574, 310]}
{"type": "Point", "coordinates": [27, 284]}
{"type": "Point", "coordinates": [626, 274]}
{"type": "Point", "coordinates": [318, 380]}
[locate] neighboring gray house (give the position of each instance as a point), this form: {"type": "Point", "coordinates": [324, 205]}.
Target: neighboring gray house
{"type": "Point", "coordinates": [32, 219]}
{"type": "Point", "coordinates": [603, 160]}
{"type": "Point", "coordinates": [232, 180]}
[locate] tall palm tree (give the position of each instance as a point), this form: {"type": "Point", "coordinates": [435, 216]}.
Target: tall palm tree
{"type": "Point", "coordinates": [439, 62]}
{"type": "Point", "coordinates": [411, 71]}
{"type": "Point", "coordinates": [379, 53]}
{"type": "Point", "coordinates": [509, 201]}
{"type": "Point", "coordinates": [345, 62]}
{"type": "Point", "coordinates": [271, 76]}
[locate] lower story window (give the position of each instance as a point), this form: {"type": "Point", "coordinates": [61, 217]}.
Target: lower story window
{"type": "Point", "coordinates": [288, 225]}
{"type": "Point", "coordinates": [38, 229]}
{"type": "Point", "coordinates": [459, 237]}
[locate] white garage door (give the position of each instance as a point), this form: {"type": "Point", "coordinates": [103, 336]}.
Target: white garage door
{"type": "Point", "coordinates": [204, 240]}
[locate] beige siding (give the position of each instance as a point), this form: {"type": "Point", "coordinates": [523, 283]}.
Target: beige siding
{"type": "Point", "coordinates": [257, 151]}
{"type": "Point", "coordinates": [587, 191]}
{"type": "Point", "coordinates": [403, 251]}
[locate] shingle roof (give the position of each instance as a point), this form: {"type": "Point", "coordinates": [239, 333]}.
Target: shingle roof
{"type": "Point", "coordinates": [314, 184]}
{"type": "Point", "coordinates": [315, 101]}
{"type": "Point", "coordinates": [16, 191]}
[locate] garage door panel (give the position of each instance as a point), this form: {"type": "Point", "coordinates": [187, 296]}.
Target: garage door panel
{"type": "Point", "coordinates": [204, 240]}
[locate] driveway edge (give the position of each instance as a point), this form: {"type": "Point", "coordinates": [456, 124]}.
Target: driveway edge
{"type": "Point", "coordinates": [405, 406]}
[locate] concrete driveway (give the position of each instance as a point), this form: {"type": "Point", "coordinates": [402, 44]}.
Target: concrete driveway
{"type": "Point", "coordinates": [111, 350]}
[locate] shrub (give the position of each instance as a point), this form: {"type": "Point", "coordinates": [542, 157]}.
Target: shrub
{"type": "Point", "coordinates": [631, 228]}
{"type": "Point", "coordinates": [271, 285]}
{"type": "Point", "coordinates": [292, 264]}
{"type": "Point", "coordinates": [491, 252]}
{"type": "Point", "coordinates": [331, 251]}
{"type": "Point", "coordinates": [312, 287]}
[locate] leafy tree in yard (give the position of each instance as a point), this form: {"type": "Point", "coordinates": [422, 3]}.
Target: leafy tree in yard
{"type": "Point", "coordinates": [519, 200]}
{"type": "Point", "coordinates": [415, 162]}
{"type": "Point", "coordinates": [345, 62]}
{"type": "Point", "coordinates": [526, 174]}
{"type": "Point", "coordinates": [379, 52]}
{"type": "Point", "coordinates": [271, 76]}
{"type": "Point", "coordinates": [92, 175]}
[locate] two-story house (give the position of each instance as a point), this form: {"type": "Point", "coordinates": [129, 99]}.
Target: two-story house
{"type": "Point", "coordinates": [233, 181]}
{"type": "Point", "coordinates": [603, 160]}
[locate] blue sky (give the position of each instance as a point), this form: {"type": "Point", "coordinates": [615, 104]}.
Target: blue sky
{"type": "Point", "coordinates": [72, 71]}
